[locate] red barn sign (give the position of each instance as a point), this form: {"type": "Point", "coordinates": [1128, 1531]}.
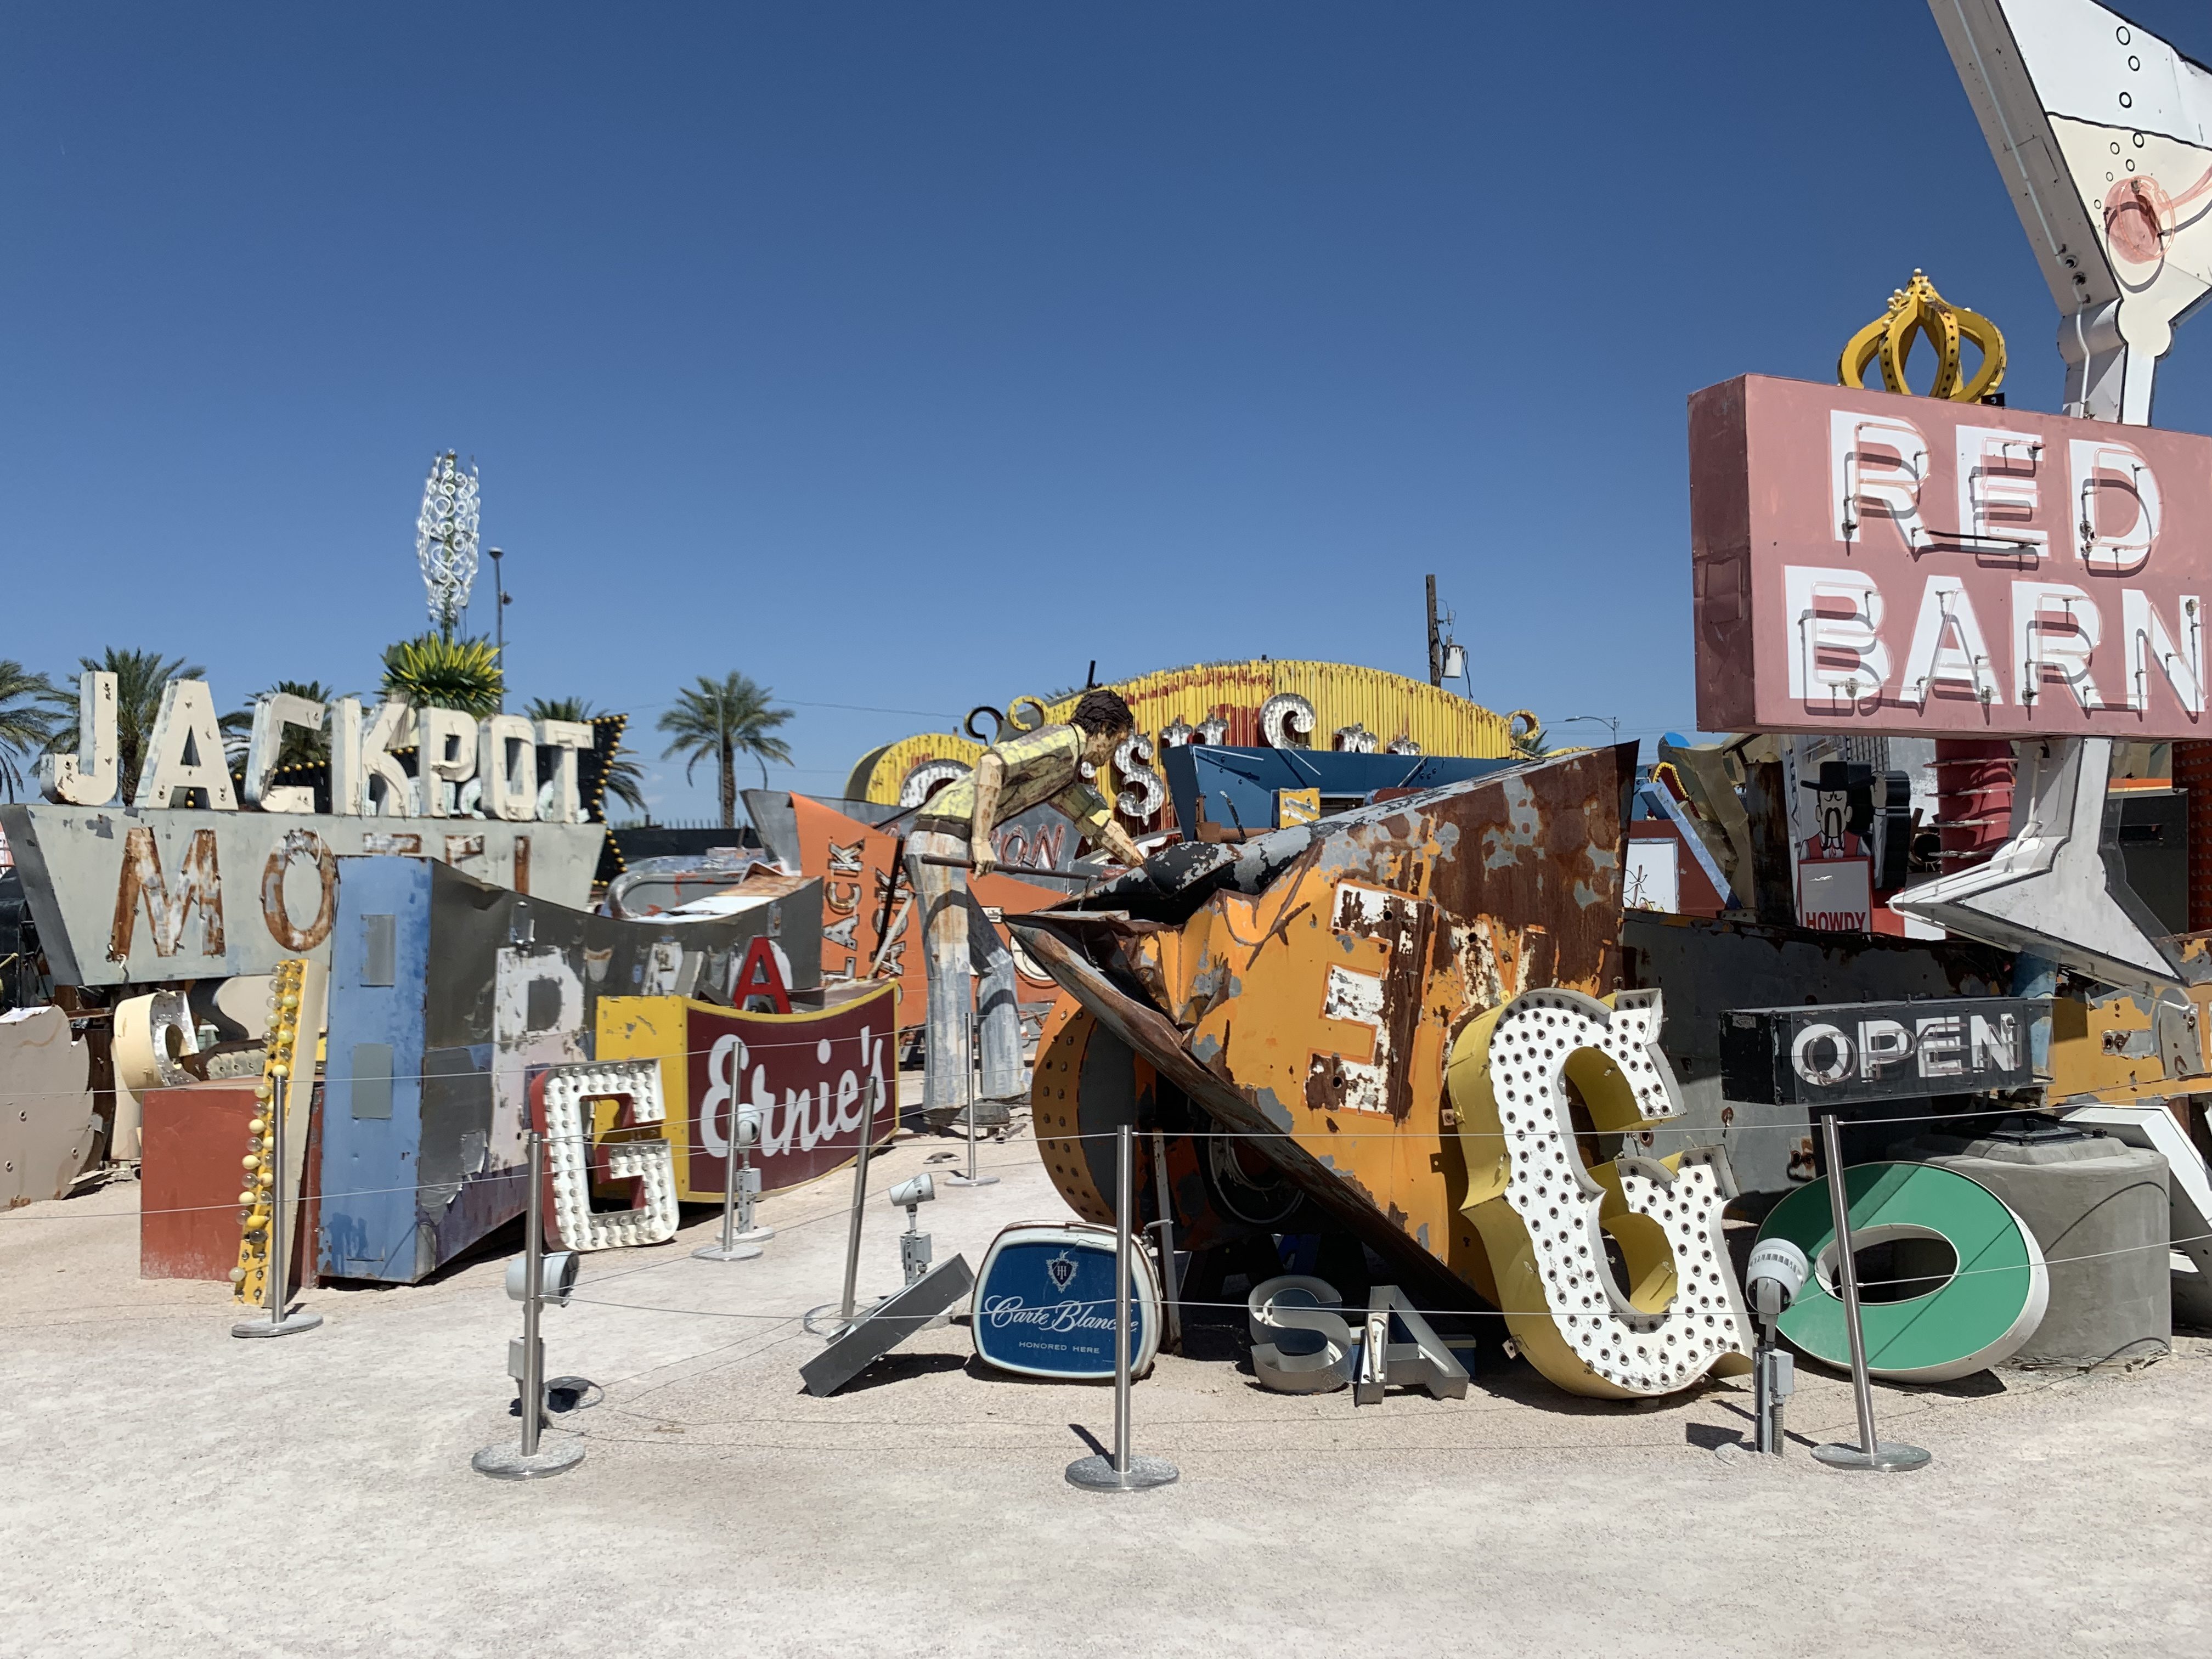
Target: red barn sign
{"type": "Point", "coordinates": [1876, 563]}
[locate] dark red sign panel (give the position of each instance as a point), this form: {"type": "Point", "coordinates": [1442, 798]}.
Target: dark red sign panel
{"type": "Point", "coordinates": [1867, 561]}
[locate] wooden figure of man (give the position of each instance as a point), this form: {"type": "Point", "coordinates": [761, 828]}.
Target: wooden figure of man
{"type": "Point", "coordinates": [955, 823]}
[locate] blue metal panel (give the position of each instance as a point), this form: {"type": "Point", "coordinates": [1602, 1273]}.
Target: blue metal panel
{"type": "Point", "coordinates": [371, 1223]}
{"type": "Point", "coordinates": [1238, 785]}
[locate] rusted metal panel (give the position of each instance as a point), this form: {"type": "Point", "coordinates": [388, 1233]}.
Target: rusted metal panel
{"type": "Point", "coordinates": [434, 1036]}
{"type": "Point", "coordinates": [47, 1126]}
{"type": "Point", "coordinates": [1272, 702]}
{"type": "Point", "coordinates": [123, 896]}
{"type": "Point", "coordinates": [1708, 967]}
{"type": "Point", "coordinates": [859, 940]}
{"type": "Point", "coordinates": [1305, 986]}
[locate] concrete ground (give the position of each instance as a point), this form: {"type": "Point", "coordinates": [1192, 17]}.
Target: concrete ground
{"type": "Point", "coordinates": [169, 1490]}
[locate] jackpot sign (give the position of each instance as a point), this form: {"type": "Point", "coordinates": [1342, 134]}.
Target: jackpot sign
{"type": "Point", "coordinates": [1871, 563]}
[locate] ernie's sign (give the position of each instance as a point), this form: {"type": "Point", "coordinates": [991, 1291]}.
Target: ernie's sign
{"type": "Point", "coordinates": [1871, 563]}
{"type": "Point", "coordinates": [817, 1077]}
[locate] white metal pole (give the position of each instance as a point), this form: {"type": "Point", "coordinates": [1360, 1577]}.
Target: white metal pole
{"type": "Point", "coordinates": [1870, 1452]}
{"type": "Point", "coordinates": [533, 1256]}
{"type": "Point", "coordinates": [1124, 1203]}
{"type": "Point", "coordinates": [1124, 1471]}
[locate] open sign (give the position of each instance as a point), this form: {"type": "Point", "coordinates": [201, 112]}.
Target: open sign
{"type": "Point", "coordinates": [1840, 1053]}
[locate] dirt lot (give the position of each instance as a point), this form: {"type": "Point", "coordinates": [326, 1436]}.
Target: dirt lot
{"type": "Point", "coordinates": [169, 1490]}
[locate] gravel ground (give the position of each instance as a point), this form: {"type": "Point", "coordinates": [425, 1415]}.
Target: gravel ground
{"type": "Point", "coordinates": [151, 1462]}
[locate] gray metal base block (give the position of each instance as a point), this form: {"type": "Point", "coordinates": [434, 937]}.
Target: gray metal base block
{"type": "Point", "coordinates": [1888, 1457]}
{"type": "Point", "coordinates": [290, 1325]}
{"type": "Point", "coordinates": [735, 1253]}
{"type": "Point", "coordinates": [506, 1461]}
{"type": "Point", "coordinates": [873, 1334]}
{"type": "Point", "coordinates": [956, 1179]}
{"type": "Point", "coordinates": [1097, 1474]}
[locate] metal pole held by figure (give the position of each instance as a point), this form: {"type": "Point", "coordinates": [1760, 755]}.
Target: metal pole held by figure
{"type": "Point", "coordinates": [1124, 1471]}
{"type": "Point", "coordinates": [1884, 1455]}
{"type": "Point", "coordinates": [278, 1276]}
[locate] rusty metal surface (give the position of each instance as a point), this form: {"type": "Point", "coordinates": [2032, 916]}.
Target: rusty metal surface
{"type": "Point", "coordinates": [1707, 966]}
{"type": "Point", "coordinates": [48, 1128]}
{"type": "Point", "coordinates": [1088, 1082]}
{"type": "Point", "coordinates": [1305, 986]}
{"type": "Point", "coordinates": [124, 897]}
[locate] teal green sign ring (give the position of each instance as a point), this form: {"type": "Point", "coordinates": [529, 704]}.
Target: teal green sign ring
{"type": "Point", "coordinates": [1977, 1318]}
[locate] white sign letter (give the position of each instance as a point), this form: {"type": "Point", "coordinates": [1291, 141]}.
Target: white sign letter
{"type": "Point", "coordinates": [2111, 480]}
{"type": "Point", "coordinates": [1947, 614]}
{"type": "Point", "coordinates": [1876, 466]}
{"type": "Point", "coordinates": [185, 751]}
{"type": "Point", "coordinates": [2148, 641]}
{"type": "Point", "coordinates": [1997, 490]}
{"type": "Point", "coordinates": [1835, 621]}
{"type": "Point", "coordinates": [2055, 626]}
{"type": "Point", "coordinates": [87, 777]}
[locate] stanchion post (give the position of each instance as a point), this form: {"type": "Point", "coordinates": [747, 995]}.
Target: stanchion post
{"type": "Point", "coordinates": [278, 1278]}
{"type": "Point", "coordinates": [1886, 1456]}
{"type": "Point", "coordinates": [1125, 1471]}
{"type": "Point", "coordinates": [846, 1304]}
{"type": "Point", "coordinates": [974, 1065]}
{"type": "Point", "coordinates": [503, 1462]}
{"type": "Point", "coordinates": [729, 1249]}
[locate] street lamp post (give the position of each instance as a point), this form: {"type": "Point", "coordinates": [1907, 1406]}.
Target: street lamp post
{"type": "Point", "coordinates": [1611, 722]}
{"type": "Point", "coordinates": [500, 597]}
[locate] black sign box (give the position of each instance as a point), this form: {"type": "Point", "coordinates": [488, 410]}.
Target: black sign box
{"type": "Point", "coordinates": [1837, 1054]}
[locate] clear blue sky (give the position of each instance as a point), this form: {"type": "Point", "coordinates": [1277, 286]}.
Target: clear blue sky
{"type": "Point", "coordinates": [911, 357]}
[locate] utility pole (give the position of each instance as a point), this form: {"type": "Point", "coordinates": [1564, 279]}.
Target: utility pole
{"type": "Point", "coordinates": [1436, 641]}
{"type": "Point", "coordinates": [499, 597]}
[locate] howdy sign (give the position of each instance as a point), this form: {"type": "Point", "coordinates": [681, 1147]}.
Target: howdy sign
{"type": "Point", "coordinates": [1871, 563]}
{"type": "Point", "coordinates": [1839, 1054]}
{"type": "Point", "coordinates": [809, 1073]}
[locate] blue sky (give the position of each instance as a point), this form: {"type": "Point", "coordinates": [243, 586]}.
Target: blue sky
{"type": "Point", "coordinates": [909, 357]}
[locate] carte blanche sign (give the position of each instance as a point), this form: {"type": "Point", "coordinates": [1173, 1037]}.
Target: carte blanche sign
{"type": "Point", "coordinates": [1871, 563]}
{"type": "Point", "coordinates": [1044, 1304]}
{"type": "Point", "coordinates": [196, 878]}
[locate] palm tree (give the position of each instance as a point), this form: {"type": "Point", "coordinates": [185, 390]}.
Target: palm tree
{"type": "Point", "coordinates": [27, 724]}
{"type": "Point", "coordinates": [432, 672]}
{"type": "Point", "coordinates": [719, 721]}
{"type": "Point", "coordinates": [141, 676]}
{"type": "Point", "coordinates": [622, 779]}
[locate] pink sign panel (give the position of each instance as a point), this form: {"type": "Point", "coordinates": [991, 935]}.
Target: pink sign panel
{"type": "Point", "coordinates": [1872, 562]}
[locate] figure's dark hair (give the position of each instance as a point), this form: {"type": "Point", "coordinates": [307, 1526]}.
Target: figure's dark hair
{"type": "Point", "coordinates": [1102, 711]}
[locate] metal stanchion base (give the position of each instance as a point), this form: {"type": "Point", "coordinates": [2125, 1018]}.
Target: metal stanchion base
{"type": "Point", "coordinates": [289, 1325]}
{"type": "Point", "coordinates": [1097, 1474]}
{"type": "Point", "coordinates": [826, 1322]}
{"type": "Point", "coordinates": [735, 1253]}
{"type": "Point", "coordinates": [1887, 1457]}
{"type": "Point", "coordinates": [507, 1463]}
{"type": "Point", "coordinates": [756, 1235]}
{"type": "Point", "coordinates": [957, 1180]}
